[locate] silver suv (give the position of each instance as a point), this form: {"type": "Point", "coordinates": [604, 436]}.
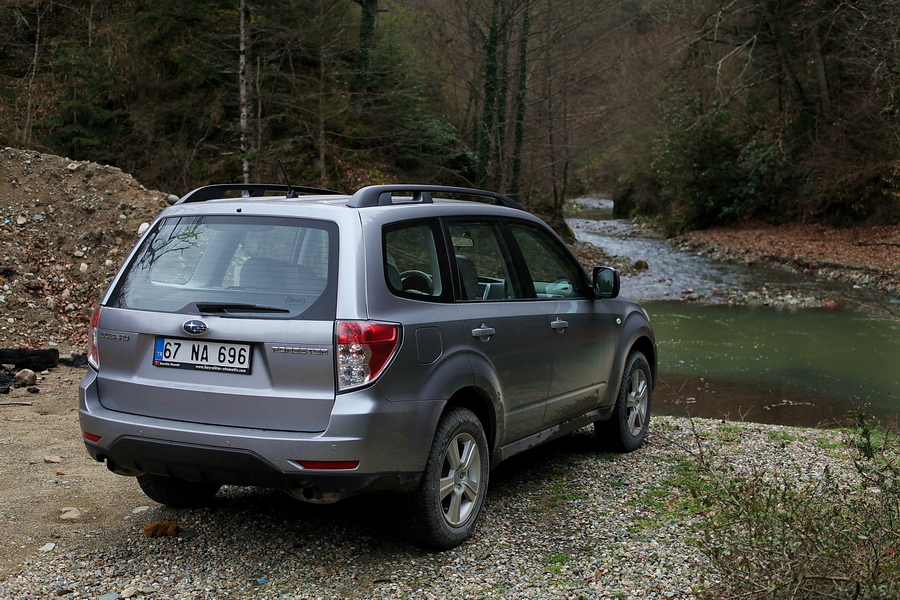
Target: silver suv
{"type": "Point", "coordinates": [329, 345]}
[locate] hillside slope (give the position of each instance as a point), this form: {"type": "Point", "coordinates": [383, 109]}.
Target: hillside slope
{"type": "Point", "coordinates": [65, 227]}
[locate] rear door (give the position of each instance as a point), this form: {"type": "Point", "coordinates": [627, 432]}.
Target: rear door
{"type": "Point", "coordinates": [225, 320]}
{"type": "Point", "coordinates": [503, 326]}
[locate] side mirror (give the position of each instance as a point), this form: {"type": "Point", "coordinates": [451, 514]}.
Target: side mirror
{"type": "Point", "coordinates": [606, 282]}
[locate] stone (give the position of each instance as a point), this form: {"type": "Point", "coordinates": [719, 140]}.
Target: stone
{"type": "Point", "coordinates": [25, 377]}
{"type": "Point", "coordinates": [70, 513]}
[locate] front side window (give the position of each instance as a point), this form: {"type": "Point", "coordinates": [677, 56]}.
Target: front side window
{"type": "Point", "coordinates": [258, 267]}
{"type": "Point", "coordinates": [553, 272]}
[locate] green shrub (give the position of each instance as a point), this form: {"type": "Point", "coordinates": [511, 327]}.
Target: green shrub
{"type": "Point", "coordinates": [800, 536]}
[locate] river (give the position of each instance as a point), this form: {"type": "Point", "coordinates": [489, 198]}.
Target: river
{"type": "Point", "coordinates": [811, 356]}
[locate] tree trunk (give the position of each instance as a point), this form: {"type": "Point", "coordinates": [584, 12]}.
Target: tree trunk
{"type": "Point", "coordinates": [366, 43]}
{"type": "Point", "coordinates": [519, 133]}
{"type": "Point", "coordinates": [820, 73]}
{"type": "Point", "coordinates": [36, 360]}
{"type": "Point", "coordinates": [784, 57]}
{"type": "Point", "coordinates": [244, 89]}
{"type": "Point", "coordinates": [29, 111]}
{"type": "Point", "coordinates": [501, 177]}
{"type": "Point", "coordinates": [486, 140]}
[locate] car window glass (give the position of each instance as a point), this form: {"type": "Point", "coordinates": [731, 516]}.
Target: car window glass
{"type": "Point", "coordinates": [552, 270]}
{"type": "Point", "coordinates": [483, 265]}
{"type": "Point", "coordinates": [222, 262]}
{"type": "Point", "coordinates": [411, 261]}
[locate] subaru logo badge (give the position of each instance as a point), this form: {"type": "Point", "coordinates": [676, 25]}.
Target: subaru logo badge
{"type": "Point", "coordinates": [195, 327]}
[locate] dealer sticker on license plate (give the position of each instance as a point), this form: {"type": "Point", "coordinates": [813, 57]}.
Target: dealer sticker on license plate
{"type": "Point", "coordinates": [202, 355]}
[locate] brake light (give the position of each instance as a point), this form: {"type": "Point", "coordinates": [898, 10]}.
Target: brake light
{"type": "Point", "coordinates": [93, 354]}
{"type": "Point", "coordinates": [364, 348]}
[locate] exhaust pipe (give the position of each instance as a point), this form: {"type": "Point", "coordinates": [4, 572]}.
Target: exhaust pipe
{"type": "Point", "coordinates": [122, 470]}
{"type": "Point", "coordinates": [313, 495]}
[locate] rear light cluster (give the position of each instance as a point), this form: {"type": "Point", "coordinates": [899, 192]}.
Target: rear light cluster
{"type": "Point", "coordinates": [93, 355]}
{"type": "Point", "coordinates": [364, 349]}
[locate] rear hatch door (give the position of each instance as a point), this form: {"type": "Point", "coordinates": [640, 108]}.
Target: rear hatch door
{"type": "Point", "coordinates": [224, 320]}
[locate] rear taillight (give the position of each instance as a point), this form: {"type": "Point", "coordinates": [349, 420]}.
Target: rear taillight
{"type": "Point", "coordinates": [93, 355]}
{"type": "Point", "coordinates": [364, 348]}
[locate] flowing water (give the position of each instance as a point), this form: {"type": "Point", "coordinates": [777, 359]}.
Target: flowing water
{"type": "Point", "coordinates": [785, 362]}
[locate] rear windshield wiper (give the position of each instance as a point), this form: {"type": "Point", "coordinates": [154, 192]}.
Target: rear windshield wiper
{"type": "Point", "coordinates": [227, 307]}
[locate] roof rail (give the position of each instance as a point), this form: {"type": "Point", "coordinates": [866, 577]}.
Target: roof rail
{"type": "Point", "coordinates": [250, 190]}
{"type": "Point", "coordinates": [383, 195]}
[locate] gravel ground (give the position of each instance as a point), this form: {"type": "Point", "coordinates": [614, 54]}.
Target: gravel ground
{"type": "Point", "coordinates": [561, 521]}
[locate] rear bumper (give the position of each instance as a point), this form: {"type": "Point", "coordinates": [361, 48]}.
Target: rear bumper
{"type": "Point", "coordinates": [391, 441]}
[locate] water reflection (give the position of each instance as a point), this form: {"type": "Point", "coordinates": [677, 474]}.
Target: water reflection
{"type": "Point", "coordinates": [789, 366]}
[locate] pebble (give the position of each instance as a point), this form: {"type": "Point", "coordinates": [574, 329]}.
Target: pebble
{"type": "Point", "coordinates": [560, 522]}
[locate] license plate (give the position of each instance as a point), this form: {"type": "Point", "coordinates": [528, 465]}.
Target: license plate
{"type": "Point", "coordinates": [202, 355]}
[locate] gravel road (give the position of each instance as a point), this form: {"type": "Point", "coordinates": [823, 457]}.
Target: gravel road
{"type": "Point", "coordinates": [561, 521]}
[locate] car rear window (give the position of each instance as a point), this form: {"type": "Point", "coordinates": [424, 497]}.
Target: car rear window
{"type": "Point", "coordinates": [253, 267]}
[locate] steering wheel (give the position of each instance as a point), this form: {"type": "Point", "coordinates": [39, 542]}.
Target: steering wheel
{"type": "Point", "coordinates": [416, 281]}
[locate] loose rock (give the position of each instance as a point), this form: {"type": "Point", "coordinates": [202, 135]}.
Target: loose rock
{"type": "Point", "coordinates": [25, 377]}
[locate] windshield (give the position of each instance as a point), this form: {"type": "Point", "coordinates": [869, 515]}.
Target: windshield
{"type": "Point", "coordinates": [253, 267]}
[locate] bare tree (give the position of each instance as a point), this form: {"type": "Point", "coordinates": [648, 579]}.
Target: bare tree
{"type": "Point", "coordinates": [29, 111]}
{"type": "Point", "coordinates": [244, 83]}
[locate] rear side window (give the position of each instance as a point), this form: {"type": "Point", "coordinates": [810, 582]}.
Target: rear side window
{"type": "Point", "coordinates": [414, 263]}
{"type": "Point", "coordinates": [259, 267]}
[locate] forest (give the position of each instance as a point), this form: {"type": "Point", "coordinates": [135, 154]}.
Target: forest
{"type": "Point", "coordinates": [694, 112]}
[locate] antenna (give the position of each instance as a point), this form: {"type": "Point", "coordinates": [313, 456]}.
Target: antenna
{"type": "Point", "coordinates": [290, 193]}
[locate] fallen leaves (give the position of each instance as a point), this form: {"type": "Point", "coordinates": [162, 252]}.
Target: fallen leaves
{"type": "Point", "coordinates": [162, 529]}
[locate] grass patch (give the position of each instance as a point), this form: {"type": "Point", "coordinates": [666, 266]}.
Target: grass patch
{"type": "Point", "coordinates": [782, 436]}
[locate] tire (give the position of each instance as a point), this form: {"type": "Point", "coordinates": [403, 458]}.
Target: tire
{"type": "Point", "coordinates": [455, 481]}
{"type": "Point", "coordinates": [627, 428]}
{"type": "Point", "coordinates": [177, 493]}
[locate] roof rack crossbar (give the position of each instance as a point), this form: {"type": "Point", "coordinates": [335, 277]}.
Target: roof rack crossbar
{"type": "Point", "coordinates": [251, 190]}
{"type": "Point", "coordinates": [382, 195]}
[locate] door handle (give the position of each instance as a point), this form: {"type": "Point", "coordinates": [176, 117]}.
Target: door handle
{"type": "Point", "coordinates": [483, 333]}
{"type": "Point", "coordinates": [559, 325]}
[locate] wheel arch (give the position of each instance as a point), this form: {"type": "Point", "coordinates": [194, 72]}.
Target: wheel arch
{"type": "Point", "coordinates": [647, 347]}
{"type": "Point", "coordinates": [477, 401]}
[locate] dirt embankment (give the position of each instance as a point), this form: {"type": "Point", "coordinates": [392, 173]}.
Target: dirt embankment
{"type": "Point", "coordinates": [65, 227]}
{"type": "Point", "coordinates": [864, 256]}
